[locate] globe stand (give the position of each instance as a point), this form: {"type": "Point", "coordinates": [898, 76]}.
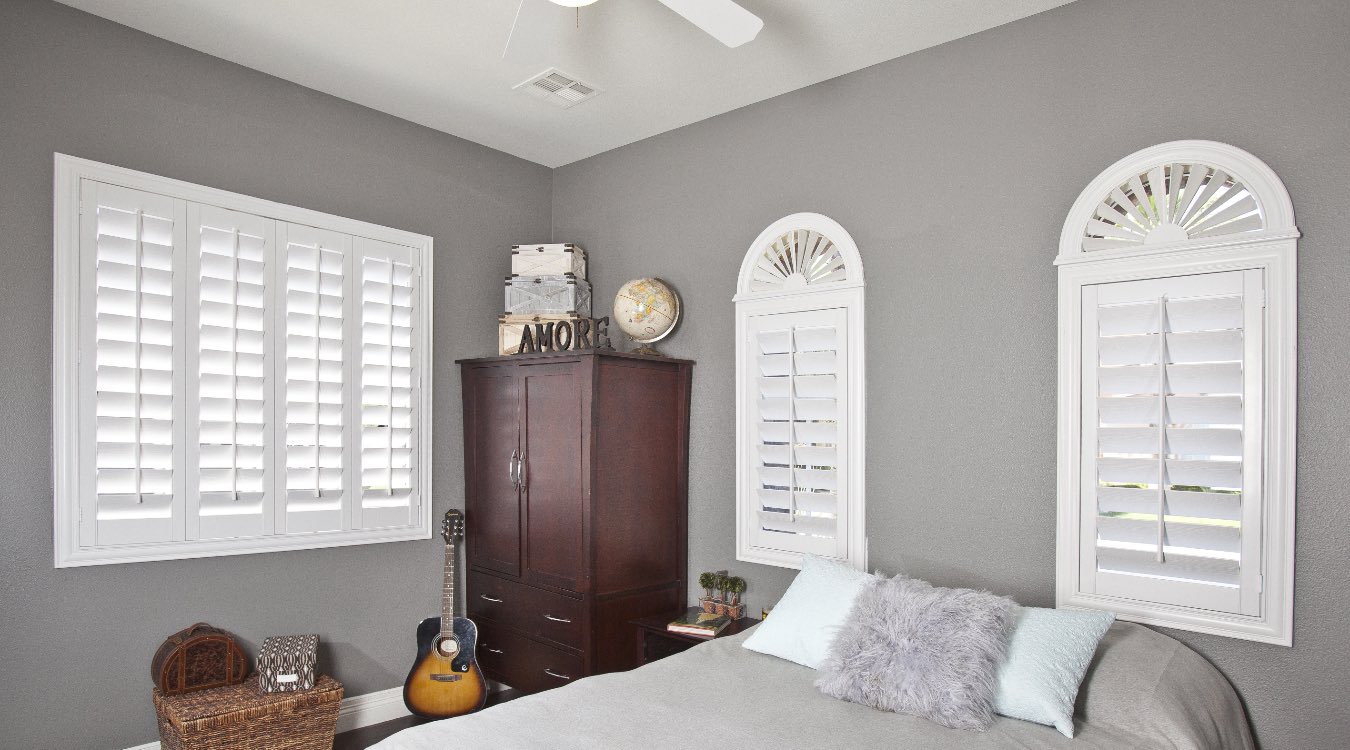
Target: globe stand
{"type": "Point", "coordinates": [647, 350]}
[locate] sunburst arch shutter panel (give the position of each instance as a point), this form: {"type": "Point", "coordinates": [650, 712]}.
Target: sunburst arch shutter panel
{"type": "Point", "coordinates": [1171, 203]}
{"type": "Point", "coordinates": [388, 385]}
{"type": "Point", "coordinates": [316, 273]}
{"type": "Point", "coordinates": [131, 253]}
{"type": "Point", "coordinates": [230, 381]}
{"type": "Point", "coordinates": [800, 395]}
{"type": "Point", "coordinates": [1172, 364]}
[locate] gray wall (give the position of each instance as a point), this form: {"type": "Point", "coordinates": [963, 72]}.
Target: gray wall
{"type": "Point", "coordinates": [75, 644]}
{"type": "Point", "coordinates": [954, 169]}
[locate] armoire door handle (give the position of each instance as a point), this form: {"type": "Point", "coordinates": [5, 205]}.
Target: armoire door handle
{"type": "Point", "coordinates": [512, 469]}
{"type": "Point", "coordinates": [520, 472]}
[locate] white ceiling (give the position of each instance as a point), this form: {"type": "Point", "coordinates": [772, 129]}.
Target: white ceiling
{"type": "Point", "coordinates": [439, 62]}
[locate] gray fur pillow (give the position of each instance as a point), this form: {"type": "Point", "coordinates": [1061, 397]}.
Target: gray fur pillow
{"type": "Point", "coordinates": [912, 648]}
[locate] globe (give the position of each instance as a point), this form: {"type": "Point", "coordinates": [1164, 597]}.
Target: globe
{"type": "Point", "coordinates": [646, 310]}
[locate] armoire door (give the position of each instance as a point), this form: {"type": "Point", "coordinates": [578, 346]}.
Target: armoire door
{"type": "Point", "coordinates": [493, 444]}
{"type": "Point", "coordinates": [552, 479]}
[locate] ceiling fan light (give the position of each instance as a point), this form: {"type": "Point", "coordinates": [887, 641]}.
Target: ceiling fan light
{"type": "Point", "coordinates": [572, 3]}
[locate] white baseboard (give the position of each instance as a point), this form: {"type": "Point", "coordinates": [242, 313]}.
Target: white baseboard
{"type": "Point", "coordinates": [372, 708]}
{"type": "Point", "coordinates": [356, 712]}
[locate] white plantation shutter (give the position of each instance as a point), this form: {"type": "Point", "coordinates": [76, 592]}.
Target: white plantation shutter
{"type": "Point", "coordinates": [131, 257]}
{"type": "Point", "coordinates": [231, 375]}
{"type": "Point", "coordinates": [1177, 375]}
{"type": "Point", "coordinates": [800, 395]}
{"type": "Point", "coordinates": [388, 383]}
{"type": "Point", "coordinates": [230, 382]}
{"type": "Point", "coordinates": [315, 270]}
{"type": "Point", "coordinates": [800, 419]}
{"type": "Point", "coordinates": [1170, 365]}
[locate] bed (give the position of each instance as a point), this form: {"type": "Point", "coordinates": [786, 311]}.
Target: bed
{"type": "Point", "coordinates": [1144, 690]}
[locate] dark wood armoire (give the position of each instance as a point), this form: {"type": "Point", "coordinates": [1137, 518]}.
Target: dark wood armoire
{"type": "Point", "coordinates": [576, 507]}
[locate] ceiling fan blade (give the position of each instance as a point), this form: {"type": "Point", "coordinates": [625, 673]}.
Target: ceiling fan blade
{"type": "Point", "coordinates": [726, 21]}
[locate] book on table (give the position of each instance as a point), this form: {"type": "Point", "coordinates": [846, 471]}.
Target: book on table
{"type": "Point", "coordinates": [699, 623]}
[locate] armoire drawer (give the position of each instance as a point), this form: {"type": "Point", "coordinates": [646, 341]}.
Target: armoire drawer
{"type": "Point", "coordinates": [540, 613]}
{"type": "Point", "coordinates": [523, 663]}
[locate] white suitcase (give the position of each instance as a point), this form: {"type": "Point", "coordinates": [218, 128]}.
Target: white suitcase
{"type": "Point", "coordinates": [548, 260]}
{"type": "Point", "coordinates": [548, 295]}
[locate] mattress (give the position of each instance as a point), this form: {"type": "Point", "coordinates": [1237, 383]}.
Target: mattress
{"type": "Point", "coordinates": [1144, 690]}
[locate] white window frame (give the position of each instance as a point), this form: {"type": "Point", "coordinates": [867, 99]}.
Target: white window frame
{"type": "Point", "coordinates": [70, 173]}
{"type": "Point", "coordinates": [845, 295]}
{"type": "Point", "coordinates": [1271, 250]}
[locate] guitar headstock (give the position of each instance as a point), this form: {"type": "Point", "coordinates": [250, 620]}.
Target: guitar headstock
{"type": "Point", "coordinates": [452, 525]}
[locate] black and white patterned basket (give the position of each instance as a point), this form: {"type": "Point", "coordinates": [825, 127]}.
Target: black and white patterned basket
{"type": "Point", "coordinates": [286, 663]}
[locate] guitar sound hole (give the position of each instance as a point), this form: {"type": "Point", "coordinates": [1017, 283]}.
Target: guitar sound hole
{"type": "Point", "coordinates": [448, 647]}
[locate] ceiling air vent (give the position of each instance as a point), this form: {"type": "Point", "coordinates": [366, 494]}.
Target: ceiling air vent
{"type": "Point", "coordinates": [558, 88]}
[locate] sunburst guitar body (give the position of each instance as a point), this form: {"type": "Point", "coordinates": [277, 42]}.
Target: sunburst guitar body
{"type": "Point", "coordinates": [445, 680]}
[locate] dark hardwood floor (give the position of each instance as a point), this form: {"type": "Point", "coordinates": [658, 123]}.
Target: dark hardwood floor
{"type": "Point", "coordinates": [360, 739]}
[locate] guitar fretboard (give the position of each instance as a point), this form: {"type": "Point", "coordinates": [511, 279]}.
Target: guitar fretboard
{"type": "Point", "coordinates": [448, 595]}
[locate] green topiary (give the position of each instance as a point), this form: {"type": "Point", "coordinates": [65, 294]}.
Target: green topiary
{"type": "Point", "coordinates": [735, 586]}
{"type": "Point", "coordinates": [708, 582]}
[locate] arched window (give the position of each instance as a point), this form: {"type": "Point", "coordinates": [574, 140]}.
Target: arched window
{"type": "Point", "coordinates": [1176, 405]}
{"type": "Point", "coordinates": [800, 395]}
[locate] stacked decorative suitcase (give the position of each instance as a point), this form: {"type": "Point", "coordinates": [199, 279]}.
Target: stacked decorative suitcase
{"type": "Point", "coordinates": [547, 285]}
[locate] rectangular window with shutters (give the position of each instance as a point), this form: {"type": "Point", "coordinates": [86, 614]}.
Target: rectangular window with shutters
{"type": "Point", "coordinates": [1175, 492]}
{"type": "Point", "coordinates": [232, 375]}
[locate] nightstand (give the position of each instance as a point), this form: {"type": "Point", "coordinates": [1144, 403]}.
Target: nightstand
{"type": "Point", "coordinates": [655, 642]}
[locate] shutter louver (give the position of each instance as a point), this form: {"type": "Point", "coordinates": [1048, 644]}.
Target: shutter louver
{"type": "Point", "coordinates": [132, 239]}
{"type": "Point", "coordinates": [799, 363]}
{"type": "Point", "coordinates": [315, 271]}
{"type": "Point", "coordinates": [232, 374]}
{"type": "Point", "coordinates": [386, 385]}
{"type": "Point", "coordinates": [1168, 481]}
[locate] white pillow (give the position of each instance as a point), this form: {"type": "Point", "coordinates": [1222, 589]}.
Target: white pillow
{"type": "Point", "coordinates": [1048, 654]}
{"type": "Point", "coordinates": [805, 621]}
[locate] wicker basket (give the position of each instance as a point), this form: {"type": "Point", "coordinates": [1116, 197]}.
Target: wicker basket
{"type": "Point", "coordinates": [239, 717]}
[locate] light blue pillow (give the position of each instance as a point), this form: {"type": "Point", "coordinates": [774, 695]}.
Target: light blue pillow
{"type": "Point", "coordinates": [1048, 654]}
{"type": "Point", "coordinates": [805, 621]}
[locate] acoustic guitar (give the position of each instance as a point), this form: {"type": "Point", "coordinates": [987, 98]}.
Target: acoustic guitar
{"type": "Point", "coordinates": [445, 680]}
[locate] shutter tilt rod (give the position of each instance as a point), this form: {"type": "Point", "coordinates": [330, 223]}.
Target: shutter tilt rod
{"type": "Point", "coordinates": [1162, 426]}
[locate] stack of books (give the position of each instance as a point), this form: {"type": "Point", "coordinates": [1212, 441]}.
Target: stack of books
{"type": "Point", "coordinates": [700, 624]}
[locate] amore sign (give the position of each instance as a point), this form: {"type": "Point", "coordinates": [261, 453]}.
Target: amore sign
{"type": "Point", "coordinates": [565, 335]}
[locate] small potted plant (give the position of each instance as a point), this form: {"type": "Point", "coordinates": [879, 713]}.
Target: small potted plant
{"type": "Point", "coordinates": [709, 582]}
{"type": "Point", "coordinates": [720, 603]}
{"type": "Point", "coordinates": [735, 608]}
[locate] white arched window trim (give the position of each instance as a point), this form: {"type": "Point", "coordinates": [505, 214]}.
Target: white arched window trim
{"type": "Point", "coordinates": [800, 372]}
{"type": "Point", "coordinates": [1261, 258]}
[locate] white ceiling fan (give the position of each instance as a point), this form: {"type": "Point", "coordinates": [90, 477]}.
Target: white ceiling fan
{"type": "Point", "coordinates": [726, 21]}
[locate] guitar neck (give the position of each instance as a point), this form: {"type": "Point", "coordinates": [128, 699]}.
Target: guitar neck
{"type": "Point", "coordinates": [448, 594]}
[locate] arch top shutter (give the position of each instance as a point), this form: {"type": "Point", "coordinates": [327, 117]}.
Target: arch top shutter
{"type": "Point", "coordinates": [800, 394]}
{"type": "Point", "coordinates": [1177, 376]}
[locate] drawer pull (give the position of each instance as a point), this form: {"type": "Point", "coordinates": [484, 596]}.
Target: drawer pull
{"type": "Point", "coordinates": [487, 598]}
{"type": "Point", "coordinates": [492, 650]}
{"type": "Point", "coordinates": [551, 673]}
{"type": "Point", "coordinates": [556, 619]}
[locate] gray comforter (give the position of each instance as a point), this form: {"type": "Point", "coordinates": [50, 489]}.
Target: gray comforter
{"type": "Point", "coordinates": [1144, 690]}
